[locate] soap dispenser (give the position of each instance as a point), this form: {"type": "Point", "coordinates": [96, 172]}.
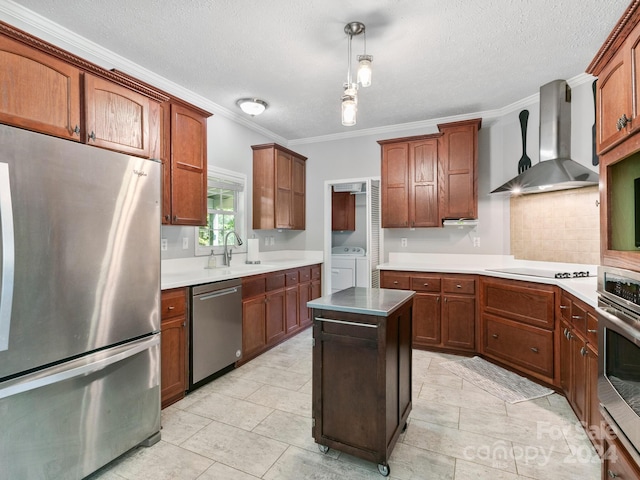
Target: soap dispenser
{"type": "Point", "coordinates": [211, 263]}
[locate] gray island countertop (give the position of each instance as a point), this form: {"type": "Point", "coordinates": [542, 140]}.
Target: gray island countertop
{"type": "Point", "coordinates": [364, 301]}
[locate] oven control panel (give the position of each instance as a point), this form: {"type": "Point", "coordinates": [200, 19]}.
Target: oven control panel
{"type": "Point", "coordinates": [622, 287]}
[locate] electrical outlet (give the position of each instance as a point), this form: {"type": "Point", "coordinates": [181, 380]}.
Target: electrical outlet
{"type": "Point", "coordinates": [185, 243]}
{"type": "Point", "coordinates": [272, 240]}
{"type": "Point", "coordinates": [403, 242]}
{"type": "Point", "coordinates": [266, 241]}
{"type": "Point", "coordinates": [163, 244]}
{"type": "Point", "coordinates": [476, 241]}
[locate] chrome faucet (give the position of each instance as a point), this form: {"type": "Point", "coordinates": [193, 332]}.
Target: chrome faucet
{"type": "Point", "coordinates": [226, 256]}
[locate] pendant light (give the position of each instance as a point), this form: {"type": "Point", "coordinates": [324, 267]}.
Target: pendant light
{"type": "Point", "coordinates": [363, 79]}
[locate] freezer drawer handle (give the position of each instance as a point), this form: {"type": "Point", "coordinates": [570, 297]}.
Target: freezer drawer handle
{"type": "Point", "coordinates": [41, 379]}
{"type": "Point", "coordinates": [7, 248]}
{"type": "Point", "coordinates": [342, 322]}
{"type": "Point", "coordinates": [219, 293]}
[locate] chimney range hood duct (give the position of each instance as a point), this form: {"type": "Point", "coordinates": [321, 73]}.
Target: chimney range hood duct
{"type": "Point", "coordinates": [555, 170]}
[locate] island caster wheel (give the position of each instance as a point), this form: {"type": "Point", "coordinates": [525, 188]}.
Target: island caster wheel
{"type": "Point", "coordinates": [323, 448]}
{"type": "Point", "coordinates": [384, 470]}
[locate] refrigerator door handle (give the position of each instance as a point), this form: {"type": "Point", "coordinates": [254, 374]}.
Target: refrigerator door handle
{"type": "Point", "coordinates": [7, 250]}
{"type": "Point", "coordinates": [78, 368]}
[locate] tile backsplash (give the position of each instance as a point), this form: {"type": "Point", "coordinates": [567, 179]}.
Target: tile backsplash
{"type": "Point", "coordinates": [561, 226]}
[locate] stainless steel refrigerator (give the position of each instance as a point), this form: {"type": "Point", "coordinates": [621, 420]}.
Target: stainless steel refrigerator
{"type": "Point", "coordinates": [79, 305]}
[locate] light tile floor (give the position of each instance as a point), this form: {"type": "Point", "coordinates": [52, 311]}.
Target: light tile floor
{"type": "Point", "coordinates": [255, 422]}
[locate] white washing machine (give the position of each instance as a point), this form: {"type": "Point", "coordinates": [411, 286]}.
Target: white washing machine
{"type": "Point", "coordinates": [349, 268]}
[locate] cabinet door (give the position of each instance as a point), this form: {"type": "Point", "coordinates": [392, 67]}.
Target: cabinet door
{"type": "Point", "coordinates": [423, 184]}
{"type": "Point", "coordinates": [284, 190]}
{"type": "Point", "coordinates": [298, 193]}
{"type": "Point", "coordinates": [304, 295]}
{"type": "Point", "coordinates": [459, 322]}
{"type": "Point", "coordinates": [39, 92]}
{"type": "Point", "coordinates": [188, 167]}
{"type": "Point", "coordinates": [458, 167]}
{"type": "Point", "coordinates": [173, 369]}
{"type": "Point", "coordinates": [291, 311]}
{"type": "Point", "coordinates": [566, 359]}
{"type": "Point", "coordinates": [253, 325]}
{"type": "Point", "coordinates": [394, 185]}
{"type": "Point", "coordinates": [426, 319]}
{"type": "Point", "coordinates": [579, 378]}
{"type": "Point", "coordinates": [343, 211]}
{"type": "Point", "coordinates": [116, 118]}
{"type": "Point", "coordinates": [594, 417]}
{"type": "Point", "coordinates": [275, 316]}
{"type": "Point", "coordinates": [613, 98]}
{"type": "Point", "coordinates": [165, 157]}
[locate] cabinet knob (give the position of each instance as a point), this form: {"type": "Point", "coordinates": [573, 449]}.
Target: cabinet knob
{"type": "Point", "coordinates": [563, 307]}
{"type": "Point", "coordinates": [171, 307]}
{"type": "Point", "coordinates": [495, 335]}
{"type": "Point", "coordinates": [395, 282]}
{"type": "Point", "coordinates": [425, 284]}
{"type": "Point", "coordinates": [534, 349]}
{"type": "Point", "coordinates": [458, 286]}
{"type": "Point", "coordinates": [445, 299]}
{"type": "Point", "coordinates": [622, 122]}
{"type": "Point", "coordinates": [167, 218]}
{"type": "Point", "coordinates": [92, 136]}
{"type": "Point", "coordinates": [612, 474]}
{"type": "Point", "coordinates": [583, 351]}
{"type": "Point", "coordinates": [76, 130]}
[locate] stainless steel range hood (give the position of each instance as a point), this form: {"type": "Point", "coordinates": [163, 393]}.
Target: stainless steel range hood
{"type": "Point", "coordinates": [555, 170]}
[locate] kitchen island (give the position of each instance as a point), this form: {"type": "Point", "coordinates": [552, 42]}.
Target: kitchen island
{"type": "Point", "coordinates": [362, 371]}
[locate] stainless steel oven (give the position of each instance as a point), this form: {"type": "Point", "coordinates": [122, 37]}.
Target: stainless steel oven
{"type": "Point", "coordinates": [619, 353]}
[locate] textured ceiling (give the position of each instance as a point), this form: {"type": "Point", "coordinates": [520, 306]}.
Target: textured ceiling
{"type": "Point", "coordinates": [431, 59]}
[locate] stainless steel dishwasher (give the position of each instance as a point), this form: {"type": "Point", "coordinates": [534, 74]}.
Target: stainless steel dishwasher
{"type": "Point", "coordinates": [216, 329]}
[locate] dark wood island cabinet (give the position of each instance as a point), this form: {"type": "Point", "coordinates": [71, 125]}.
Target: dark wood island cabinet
{"type": "Point", "coordinates": [362, 371]}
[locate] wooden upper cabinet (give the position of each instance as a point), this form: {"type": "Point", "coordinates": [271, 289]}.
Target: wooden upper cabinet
{"type": "Point", "coordinates": [188, 166]}
{"type": "Point", "coordinates": [118, 118]}
{"type": "Point", "coordinates": [409, 182]}
{"type": "Point", "coordinates": [343, 211]}
{"type": "Point", "coordinates": [618, 87]}
{"type": "Point", "coordinates": [39, 92]}
{"type": "Point", "coordinates": [459, 169]}
{"type": "Point", "coordinates": [279, 188]}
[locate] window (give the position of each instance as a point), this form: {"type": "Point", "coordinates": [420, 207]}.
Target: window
{"type": "Point", "coordinates": [225, 211]}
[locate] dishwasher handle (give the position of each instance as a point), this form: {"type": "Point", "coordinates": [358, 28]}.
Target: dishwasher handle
{"type": "Point", "coordinates": [219, 293]}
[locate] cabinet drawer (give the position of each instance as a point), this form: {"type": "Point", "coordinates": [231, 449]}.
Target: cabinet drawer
{"type": "Point", "coordinates": [291, 278]}
{"type": "Point", "coordinates": [304, 274]}
{"type": "Point", "coordinates": [425, 284]}
{"type": "Point", "coordinates": [252, 286]}
{"type": "Point", "coordinates": [395, 280]}
{"type": "Point", "coordinates": [592, 330]}
{"type": "Point", "coordinates": [315, 272]}
{"type": "Point", "coordinates": [459, 285]}
{"type": "Point", "coordinates": [521, 301]}
{"type": "Point", "coordinates": [275, 281]}
{"type": "Point", "coordinates": [523, 345]}
{"type": "Point", "coordinates": [173, 303]}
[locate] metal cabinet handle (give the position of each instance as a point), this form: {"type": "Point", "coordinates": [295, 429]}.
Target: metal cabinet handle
{"type": "Point", "coordinates": [171, 307]}
{"type": "Point", "coordinates": [92, 136]}
{"type": "Point", "coordinates": [564, 307]}
{"type": "Point", "coordinates": [592, 331]}
{"type": "Point", "coordinates": [167, 217]}
{"type": "Point", "coordinates": [583, 351]}
{"type": "Point", "coordinates": [446, 300]}
{"type": "Point", "coordinates": [395, 282]}
{"type": "Point", "coordinates": [458, 286]}
{"type": "Point", "coordinates": [343, 322]}
{"type": "Point", "coordinates": [622, 122]}
{"type": "Point", "coordinates": [425, 284]}
{"type": "Point", "coordinates": [577, 317]}
{"type": "Point", "coordinates": [495, 335]}
{"type": "Point", "coordinates": [76, 130]}
{"type": "Point", "coordinates": [7, 256]}
{"type": "Point", "coordinates": [612, 474]}
{"type": "Point", "coordinates": [534, 349]}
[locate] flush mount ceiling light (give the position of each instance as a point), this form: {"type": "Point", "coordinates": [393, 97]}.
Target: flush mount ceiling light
{"type": "Point", "coordinates": [363, 78]}
{"type": "Point", "coordinates": [252, 106]}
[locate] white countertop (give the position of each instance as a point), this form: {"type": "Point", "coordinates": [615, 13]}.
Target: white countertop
{"type": "Point", "coordinates": [183, 272]}
{"type": "Point", "coordinates": [363, 301]}
{"type": "Point", "coordinates": [582, 288]}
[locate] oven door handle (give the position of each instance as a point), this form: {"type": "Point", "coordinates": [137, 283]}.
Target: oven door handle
{"type": "Point", "coordinates": [612, 316]}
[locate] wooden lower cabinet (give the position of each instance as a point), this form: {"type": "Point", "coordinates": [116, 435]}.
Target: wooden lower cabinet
{"type": "Point", "coordinates": [444, 308]}
{"type": "Point", "coordinates": [518, 326]}
{"type": "Point", "coordinates": [274, 307]}
{"type": "Point", "coordinates": [173, 341]}
{"type": "Point", "coordinates": [616, 461]}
